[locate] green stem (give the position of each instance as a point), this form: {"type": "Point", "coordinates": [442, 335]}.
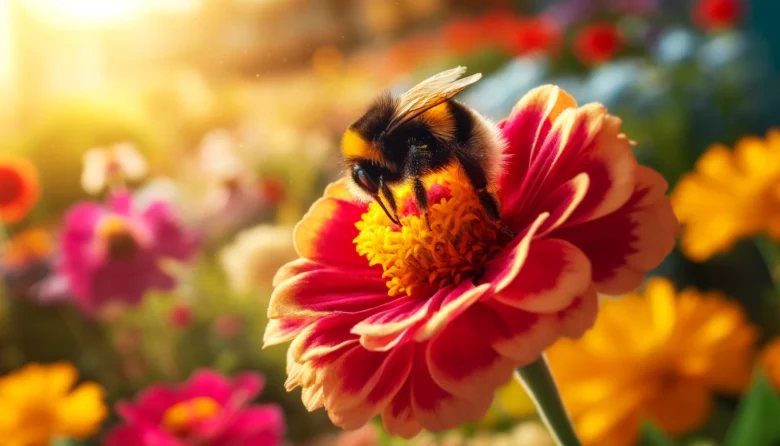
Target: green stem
{"type": "Point", "coordinates": [540, 385]}
{"type": "Point", "coordinates": [771, 255]}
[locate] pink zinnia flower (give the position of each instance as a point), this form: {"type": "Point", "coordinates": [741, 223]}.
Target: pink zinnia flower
{"type": "Point", "coordinates": [114, 253]}
{"type": "Point", "coordinates": [207, 409]}
{"type": "Point", "coordinates": [421, 326]}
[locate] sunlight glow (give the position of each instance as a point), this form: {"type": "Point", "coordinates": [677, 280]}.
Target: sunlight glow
{"type": "Point", "coordinates": [85, 13]}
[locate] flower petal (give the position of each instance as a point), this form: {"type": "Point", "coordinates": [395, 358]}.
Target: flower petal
{"type": "Point", "coordinates": [455, 303]}
{"type": "Point", "coordinates": [681, 406]}
{"type": "Point", "coordinates": [206, 383]}
{"type": "Point", "coordinates": [361, 383]}
{"type": "Point", "coordinates": [388, 328]}
{"type": "Point", "coordinates": [292, 269]}
{"type": "Point", "coordinates": [611, 167]}
{"type": "Point", "coordinates": [140, 435]}
{"type": "Point", "coordinates": [622, 246]}
{"type": "Point", "coordinates": [506, 265]}
{"type": "Point", "coordinates": [398, 416]}
{"type": "Point", "coordinates": [171, 239]}
{"type": "Point", "coordinates": [580, 316]}
{"type": "Point", "coordinates": [326, 232]}
{"type": "Point", "coordinates": [325, 336]}
{"type": "Point", "coordinates": [255, 425]}
{"type": "Point", "coordinates": [436, 409]}
{"type": "Point", "coordinates": [554, 274]}
{"type": "Point", "coordinates": [461, 359]}
{"type": "Point", "coordinates": [525, 129]}
{"type": "Point", "coordinates": [282, 330]}
{"type": "Point", "coordinates": [81, 413]}
{"type": "Point", "coordinates": [573, 132]}
{"type": "Point", "coordinates": [320, 292]}
{"type": "Point", "coordinates": [564, 201]}
{"type": "Point", "coordinates": [523, 336]}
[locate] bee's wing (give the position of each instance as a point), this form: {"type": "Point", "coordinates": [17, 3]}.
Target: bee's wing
{"type": "Point", "coordinates": [430, 93]}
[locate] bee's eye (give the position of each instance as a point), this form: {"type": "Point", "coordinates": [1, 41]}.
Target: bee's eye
{"type": "Point", "coordinates": [364, 180]}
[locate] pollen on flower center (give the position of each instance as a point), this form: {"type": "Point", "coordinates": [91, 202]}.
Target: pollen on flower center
{"type": "Point", "coordinates": [119, 241]}
{"type": "Point", "coordinates": [180, 417]}
{"type": "Point", "coordinates": [418, 261]}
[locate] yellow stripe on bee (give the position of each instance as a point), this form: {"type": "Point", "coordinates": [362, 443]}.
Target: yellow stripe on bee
{"type": "Point", "coordinates": [353, 146]}
{"type": "Point", "coordinates": [440, 121]}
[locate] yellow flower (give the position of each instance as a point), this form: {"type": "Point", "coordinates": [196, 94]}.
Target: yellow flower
{"type": "Point", "coordinates": [770, 361]}
{"type": "Point", "coordinates": [729, 196]}
{"type": "Point", "coordinates": [38, 403]}
{"type": "Point", "coordinates": [657, 356]}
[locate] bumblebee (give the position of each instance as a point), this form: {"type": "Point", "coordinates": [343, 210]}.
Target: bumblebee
{"type": "Point", "coordinates": [403, 139]}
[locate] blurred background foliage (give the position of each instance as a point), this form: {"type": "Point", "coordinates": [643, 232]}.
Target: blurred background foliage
{"type": "Point", "coordinates": [274, 83]}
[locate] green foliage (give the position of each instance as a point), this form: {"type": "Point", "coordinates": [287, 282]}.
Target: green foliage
{"type": "Point", "coordinates": [57, 142]}
{"type": "Point", "coordinates": [756, 422]}
{"type": "Point", "coordinates": [652, 436]}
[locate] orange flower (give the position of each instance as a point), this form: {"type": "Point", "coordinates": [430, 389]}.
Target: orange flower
{"type": "Point", "coordinates": [424, 325]}
{"type": "Point", "coordinates": [714, 15]}
{"type": "Point", "coordinates": [729, 196]}
{"type": "Point", "coordinates": [598, 43]}
{"type": "Point", "coordinates": [657, 356]}
{"type": "Point", "coordinates": [29, 246]}
{"type": "Point", "coordinates": [19, 188]}
{"type": "Point", "coordinates": [770, 360]}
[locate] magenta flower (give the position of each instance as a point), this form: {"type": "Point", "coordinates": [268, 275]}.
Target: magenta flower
{"type": "Point", "coordinates": [114, 253]}
{"type": "Point", "coordinates": [207, 409]}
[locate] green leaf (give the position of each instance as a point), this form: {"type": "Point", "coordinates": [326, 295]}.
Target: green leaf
{"type": "Point", "coordinates": [756, 421]}
{"type": "Point", "coordinates": [652, 436]}
{"type": "Point", "coordinates": [64, 442]}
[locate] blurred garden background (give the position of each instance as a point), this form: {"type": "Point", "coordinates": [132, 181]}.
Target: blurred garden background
{"type": "Point", "coordinates": [227, 116]}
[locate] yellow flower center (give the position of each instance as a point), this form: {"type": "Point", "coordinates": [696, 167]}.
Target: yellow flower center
{"type": "Point", "coordinates": [179, 418]}
{"type": "Point", "coordinates": [418, 261]}
{"type": "Point", "coordinates": [119, 241]}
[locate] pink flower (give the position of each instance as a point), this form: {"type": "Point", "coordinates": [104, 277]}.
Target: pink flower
{"type": "Point", "coordinates": [422, 326]}
{"type": "Point", "coordinates": [114, 253]}
{"type": "Point", "coordinates": [207, 409]}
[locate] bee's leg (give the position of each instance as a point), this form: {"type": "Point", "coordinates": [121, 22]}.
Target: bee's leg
{"type": "Point", "coordinates": [390, 199]}
{"type": "Point", "coordinates": [381, 203]}
{"type": "Point", "coordinates": [419, 160]}
{"type": "Point", "coordinates": [478, 181]}
{"type": "Point", "coordinates": [421, 196]}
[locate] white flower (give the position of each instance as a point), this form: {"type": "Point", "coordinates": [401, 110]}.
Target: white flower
{"type": "Point", "coordinates": [255, 255]}
{"type": "Point", "coordinates": [104, 167]}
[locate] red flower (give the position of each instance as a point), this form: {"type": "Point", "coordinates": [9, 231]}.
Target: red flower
{"type": "Point", "coordinates": [422, 326]}
{"type": "Point", "coordinates": [536, 35]}
{"type": "Point", "coordinates": [598, 43]}
{"type": "Point", "coordinates": [714, 15]}
{"type": "Point", "coordinates": [19, 188]}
